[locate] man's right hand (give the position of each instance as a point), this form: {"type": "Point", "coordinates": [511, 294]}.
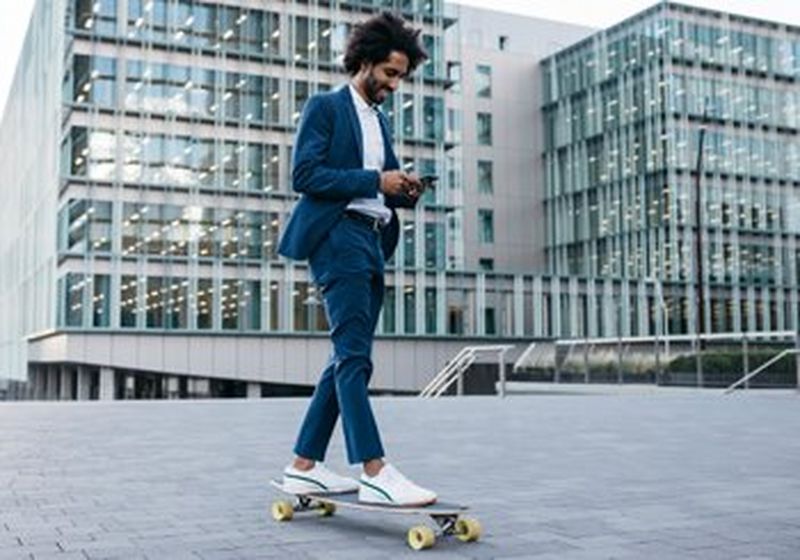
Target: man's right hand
{"type": "Point", "coordinates": [393, 183]}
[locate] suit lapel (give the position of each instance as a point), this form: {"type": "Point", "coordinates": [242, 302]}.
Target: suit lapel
{"type": "Point", "coordinates": [389, 159]}
{"type": "Point", "coordinates": [355, 124]}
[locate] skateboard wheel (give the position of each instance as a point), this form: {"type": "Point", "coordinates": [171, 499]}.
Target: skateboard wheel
{"type": "Point", "coordinates": [421, 537]}
{"type": "Point", "coordinates": [326, 509]}
{"type": "Point", "coordinates": [282, 511]}
{"type": "Point", "coordinates": [468, 530]}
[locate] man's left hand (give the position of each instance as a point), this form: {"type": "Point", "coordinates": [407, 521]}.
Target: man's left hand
{"type": "Point", "coordinates": [413, 187]}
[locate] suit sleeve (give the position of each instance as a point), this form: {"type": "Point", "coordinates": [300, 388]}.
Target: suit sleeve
{"type": "Point", "coordinates": [401, 201]}
{"type": "Point", "coordinates": [311, 175]}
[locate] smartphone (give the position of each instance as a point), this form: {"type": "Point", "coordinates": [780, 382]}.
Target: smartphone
{"type": "Point", "coordinates": [429, 181]}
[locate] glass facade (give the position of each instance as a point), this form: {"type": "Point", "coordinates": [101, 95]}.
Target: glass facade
{"type": "Point", "coordinates": [623, 115]}
{"type": "Point", "coordinates": [174, 142]}
{"type": "Point", "coordinates": [176, 155]}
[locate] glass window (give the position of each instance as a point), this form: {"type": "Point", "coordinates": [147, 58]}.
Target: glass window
{"type": "Point", "coordinates": [483, 80]}
{"type": "Point", "coordinates": [74, 286]}
{"type": "Point", "coordinates": [77, 225]}
{"type": "Point", "coordinates": [301, 94]}
{"type": "Point", "coordinates": [100, 154]}
{"type": "Point", "coordinates": [155, 299]}
{"type": "Point", "coordinates": [302, 34]}
{"type": "Point", "coordinates": [178, 304]}
{"type": "Point", "coordinates": [485, 177]}
{"type": "Point", "coordinates": [128, 301]}
{"type": "Point", "coordinates": [309, 312]}
{"type": "Point", "coordinates": [485, 226]}
{"type": "Point", "coordinates": [273, 300]}
{"type": "Point", "coordinates": [205, 228]}
{"type": "Point", "coordinates": [205, 303]}
{"type": "Point", "coordinates": [410, 309]}
{"type": "Point", "coordinates": [229, 304]}
{"type": "Point", "coordinates": [99, 226]}
{"type": "Point", "coordinates": [98, 16]}
{"type": "Point", "coordinates": [409, 244]}
{"type": "Point", "coordinates": [432, 46]}
{"type": "Point", "coordinates": [408, 114]}
{"type": "Point", "coordinates": [93, 80]}
{"type": "Point", "coordinates": [454, 76]}
{"type": "Point", "coordinates": [250, 305]}
{"type": "Point", "coordinates": [101, 302]}
{"type": "Point", "coordinates": [434, 246]}
{"type": "Point", "coordinates": [430, 310]}
{"type": "Point", "coordinates": [79, 149]}
{"type": "Point", "coordinates": [433, 118]}
{"type": "Point", "coordinates": [484, 128]}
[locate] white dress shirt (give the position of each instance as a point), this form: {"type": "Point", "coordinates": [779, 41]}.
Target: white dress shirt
{"type": "Point", "coordinates": [373, 156]}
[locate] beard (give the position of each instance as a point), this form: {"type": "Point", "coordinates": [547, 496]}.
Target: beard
{"type": "Point", "coordinates": [373, 89]}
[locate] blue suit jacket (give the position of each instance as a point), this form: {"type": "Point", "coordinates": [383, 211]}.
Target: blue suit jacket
{"type": "Point", "coordinates": [327, 169]}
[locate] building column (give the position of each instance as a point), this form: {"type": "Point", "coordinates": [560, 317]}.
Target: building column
{"type": "Point", "coordinates": [52, 382]}
{"type": "Point", "coordinates": [130, 387]}
{"type": "Point", "coordinates": [65, 387]}
{"type": "Point", "coordinates": [36, 379]}
{"type": "Point", "coordinates": [84, 379]}
{"type": "Point", "coordinates": [107, 388]}
{"type": "Point", "coordinates": [172, 388]}
{"type": "Point", "coordinates": [253, 390]}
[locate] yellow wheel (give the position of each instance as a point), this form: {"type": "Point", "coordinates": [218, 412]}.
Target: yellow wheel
{"type": "Point", "coordinates": [282, 511]}
{"type": "Point", "coordinates": [468, 530]}
{"type": "Point", "coordinates": [326, 509]}
{"type": "Point", "coordinates": [421, 537]}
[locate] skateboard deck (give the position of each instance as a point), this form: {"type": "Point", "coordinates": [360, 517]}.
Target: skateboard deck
{"type": "Point", "coordinates": [447, 516]}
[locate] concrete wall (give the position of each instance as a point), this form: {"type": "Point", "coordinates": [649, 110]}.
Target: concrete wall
{"type": "Point", "coordinates": [29, 158]}
{"type": "Point", "coordinates": [515, 106]}
{"type": "Point", "coordinates": [401, 364]}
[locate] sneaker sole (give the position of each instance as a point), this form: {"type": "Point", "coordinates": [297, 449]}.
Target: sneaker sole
{"type": "Point", "coordinates": [398, 506]}
{"type": "Point", "coordinates": [316, 491]}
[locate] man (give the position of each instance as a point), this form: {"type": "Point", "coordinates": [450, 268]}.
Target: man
{"type": "Point", "coordinates": [346, 226]}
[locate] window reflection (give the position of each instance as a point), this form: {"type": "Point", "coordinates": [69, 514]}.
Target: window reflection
{"type": "Point", "coordinates": [95, 16]}
{"type": "Point", "coordinates": [128, 301]}
{"type": "Point", "coordinates": [88, 226]}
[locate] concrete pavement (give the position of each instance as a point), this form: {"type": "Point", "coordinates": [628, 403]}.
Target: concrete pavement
{"type": "Point", "coordinates": [674, 474]}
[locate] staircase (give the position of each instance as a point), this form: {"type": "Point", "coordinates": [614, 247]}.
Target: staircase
{"type": "Point", "coordinates": [455, 369]}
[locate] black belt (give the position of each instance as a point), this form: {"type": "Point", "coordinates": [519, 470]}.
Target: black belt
{"type": "Point", "coordinates": [375, 224]}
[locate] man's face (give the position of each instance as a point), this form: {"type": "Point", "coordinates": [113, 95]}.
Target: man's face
{"type": "Point", "coordinates": [379, 80]}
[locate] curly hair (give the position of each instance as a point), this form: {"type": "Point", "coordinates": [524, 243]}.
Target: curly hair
{"type": "Point", "coordinates": [373, 40]}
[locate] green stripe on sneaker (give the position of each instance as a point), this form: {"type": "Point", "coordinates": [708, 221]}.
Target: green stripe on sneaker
{"type": "Point", "coordinates": [377, 489]}
{"type": "Point", "coordinates": [306, 479]}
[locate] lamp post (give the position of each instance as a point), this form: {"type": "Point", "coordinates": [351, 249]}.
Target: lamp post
{"type": "Point", "coordinates": [700, 322]}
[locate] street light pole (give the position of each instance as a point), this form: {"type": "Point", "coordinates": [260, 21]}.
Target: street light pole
{"type": "Point", "coordinates": [700, 322]}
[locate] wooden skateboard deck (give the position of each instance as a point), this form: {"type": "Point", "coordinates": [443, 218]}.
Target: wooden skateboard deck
{"type": "Point", "coordinates": [446, 515]}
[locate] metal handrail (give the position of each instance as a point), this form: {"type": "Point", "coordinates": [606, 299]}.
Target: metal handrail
{"type": "Point", "coordinates": [750, 335]}
{"type": "Point", "coordinates": [455, 369]}
{"type": "Point", "coordinates": [463, 366]}
{"type": "Point", "coordinates": [761, 368]}
{"type": "Point", "coordinates": [445, 372]}
{"type": "Point", "coordinates": [524, 356]}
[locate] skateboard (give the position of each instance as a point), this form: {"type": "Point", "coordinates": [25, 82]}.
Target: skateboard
{"type": "Point", "coordinates": [447, 516]}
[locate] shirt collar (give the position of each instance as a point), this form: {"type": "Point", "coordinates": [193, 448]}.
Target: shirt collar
{"type": "Point", "coordinates": [360, 103]}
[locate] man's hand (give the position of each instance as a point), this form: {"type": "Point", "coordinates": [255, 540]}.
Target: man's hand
{"type": "Point", "coordinates": [414, 187]}
{"type": "Point", "coordinates": [394, 183]}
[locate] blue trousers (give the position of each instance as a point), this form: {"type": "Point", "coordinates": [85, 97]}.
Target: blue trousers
{"type": "Point", "coordinates": [348, 268]}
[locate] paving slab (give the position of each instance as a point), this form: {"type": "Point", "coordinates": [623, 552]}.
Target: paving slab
{"type": "Point", "coordinates": [554, 473]}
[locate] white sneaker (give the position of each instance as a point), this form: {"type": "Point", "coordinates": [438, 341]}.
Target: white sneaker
{"type": "Point", "coordinates": [390, 487]}
{"type": "Point", "coordinates": [317, 480]}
